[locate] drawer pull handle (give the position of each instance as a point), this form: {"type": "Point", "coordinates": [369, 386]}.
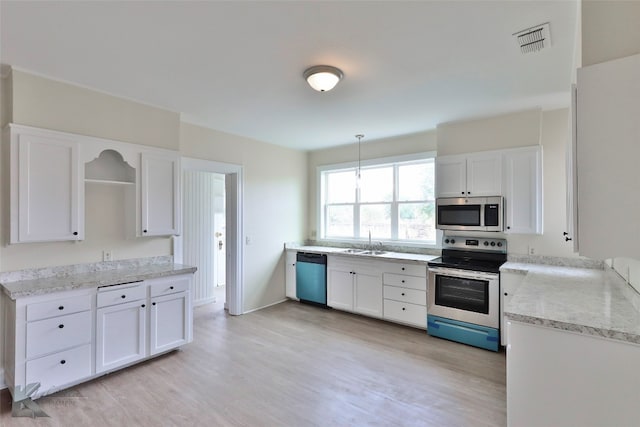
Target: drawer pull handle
{"type": "Point", "coordinates": [123, 296]}
{"type": "Point", "coordinates": [402, 268]}
{"type": "Point", "coordinates": [403, 309]}
{"type": "Point", "coordinates": [61, 307]}
{"type": "Point", "coordinates": [62, 362]}
{"type": "Point", "coordinates": [142, 306]}
{"type": "Point", "coordinates": [403, 281]}
{"type": "Point", "coordinates": [403, 294]}
{"type": "Point", "coordinates": [61, 326]}
{"type": "Point", "coordinates": [170, 287]}
{"type": "Point", "coordinates": [153, 303]}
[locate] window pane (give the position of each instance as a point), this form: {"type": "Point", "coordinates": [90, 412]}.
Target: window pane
{"type": "Point", "coordinates": [416, 221]}
{"type": "Point", "coordinates": [339, 221]}
{"type": "Point", "coordinates": [416, 182]}
{"type": "Point", "coordinates": [377, 219]}
{"type": "Point", "coordinates": [341, 187]}
{"type": "Point", "coordinates": [376, 185]}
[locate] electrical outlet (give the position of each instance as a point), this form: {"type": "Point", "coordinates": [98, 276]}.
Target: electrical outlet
{"type": "Point", "coordinates": [247, 240]}
{"type": "Point", "coordinates": [532, 250]}
{"type": "Point", "coordinates": [107, 255]}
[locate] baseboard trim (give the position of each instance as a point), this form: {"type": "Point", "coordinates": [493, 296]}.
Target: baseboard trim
{"type": "Point", "coordinates": [265, 306]}
{"type": "Point", "coordinates": [204, 301]}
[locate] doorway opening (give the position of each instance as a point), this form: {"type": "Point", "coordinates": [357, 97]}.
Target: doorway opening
{"type": "Point", "coordinates": [211, 232]}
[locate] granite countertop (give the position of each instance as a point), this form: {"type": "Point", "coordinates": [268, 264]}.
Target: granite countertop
{"type": "Point", "coordinates": [388, 255]}
{"type": "Point", "coordinates": [91, 279]}
{"type": "Point", "coordinates": [594, 302]}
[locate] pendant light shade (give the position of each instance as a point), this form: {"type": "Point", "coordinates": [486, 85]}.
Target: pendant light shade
{"type": "Point", "coordinates": [323, 77]}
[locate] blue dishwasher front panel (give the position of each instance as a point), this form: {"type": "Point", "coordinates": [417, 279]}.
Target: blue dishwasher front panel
{"type": "Point", "coordinates": [311, 278]}
{"type": "Point", "coordinates": [467, 333]}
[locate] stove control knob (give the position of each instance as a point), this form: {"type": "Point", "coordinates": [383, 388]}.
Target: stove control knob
{"type": "Point", "coordinates": [446, 240]}
{"type": "Point", "coordinates": [499, 244]}
{"type": "Point", "coordinates": [486, 243]}
{"type": "Point", "coordinates": [453, 241]}
{"type": "Point", "coordinates": [493, 243]}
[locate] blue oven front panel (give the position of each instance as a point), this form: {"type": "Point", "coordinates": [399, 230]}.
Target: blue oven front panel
{"type": "Point", "coordinates": [467, 333]}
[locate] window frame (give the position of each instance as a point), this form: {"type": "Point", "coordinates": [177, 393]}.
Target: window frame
{"type": "Point", "coordinates": [393, 161]}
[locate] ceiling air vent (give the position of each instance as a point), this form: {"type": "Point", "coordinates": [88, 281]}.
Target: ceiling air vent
{"type": "Point", "coordinates": [534, 39]}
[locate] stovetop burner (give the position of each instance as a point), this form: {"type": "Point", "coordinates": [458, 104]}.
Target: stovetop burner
{"type": "Point", "coordinates": [470, 253]}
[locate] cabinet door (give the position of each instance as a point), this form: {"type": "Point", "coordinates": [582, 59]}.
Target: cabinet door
{"type": "Point", "coordinates": [484, 174]}
{"type": "Point", "coordinates": [368, 294]}
{"type": "Point", "coordinates": [48, 190]}
{"type": "Point", "coordinates": [160, 194]}
{"type": "Point", "coordinates": [509, 284]}
{"type": "Point", "coordinates": [120, 335]}
{"type": "Point", "coordinates": [523, 190]}
{"type": "Point", "coordinates": [169, 324]}
{"type": "Point", "coordinates": [290, 274]}
{"type": "Point", "coordinates": [451, 178]}
{"type": "Point", "coordinates": [340, 289]}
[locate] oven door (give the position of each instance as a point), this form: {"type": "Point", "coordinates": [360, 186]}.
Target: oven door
{"type": "Point", "coordinates": [468, 296]}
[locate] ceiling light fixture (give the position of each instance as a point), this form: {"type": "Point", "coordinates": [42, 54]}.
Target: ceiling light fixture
{"type": "Point", "coordinates": [323, 77]}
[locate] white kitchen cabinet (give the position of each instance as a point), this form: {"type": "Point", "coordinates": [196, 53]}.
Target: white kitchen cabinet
{"type": "Point", "coordinates": [523, 190]}
{"type": "Point", "coordinates": [47, 187]}
{"type": "Point", "coordinates": [469, 175]}
{"type": "Point", "coordinates": [509, 284]}
{"type": "Point", "coordinates": [171, 314]}
{"type": "Point", "coordinates": [160, 194]}
{"type": "Point", "coordinates": [121, 323]}
{"type": "Point", "coordinates": [354, 285]}
{"type": "Point", "coordinates": [290, 274]}
{"type": "Point", "coordinates": [405, 293]}
{"type": "Point", "coordinates": [608, 149]}
{"type": "Point", "coordinates": [563, 378]}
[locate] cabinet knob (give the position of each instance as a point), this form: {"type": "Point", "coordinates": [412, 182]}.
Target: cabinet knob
{"type": "Point", "coordinates": [123, 296]}
{"type": "Point", "coordinates": [566, 239]}
{"type": "Point", "coordinates": [61, 307]}
{"type": "Point", "coordinates": [75, 233]}
{"type": "Point", "coordinates": [506, 294]}
{"type": "Point", "coordinates": [564, 233]}
{"type": "Point", "coordinates": [403, 309]}
{"type": "Point", "coordinates": [153, 303]}
{"type": "Point", "coordinates": [170, 287]}
{"type": "Point", "coordinates": [402, 281]}
{"type": "Point", "coordinates": [144, 231]}
{"type": "Point", "coordinates": [508, 227]}
{"type": "Point", "coordinates": [143, 306]}
{"type": "Point", "coordinates": [62, 362]}
{"type": "Point", "coordinates": [61, 326]}
{"type": "Point", "coordinates": [402, 268]}
{"type": "Point", "coordinates": [462, 192]}
{"type": "Point", "coordinates": [403, 294]}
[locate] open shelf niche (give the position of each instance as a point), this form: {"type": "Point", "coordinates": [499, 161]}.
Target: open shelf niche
{"type": "Point", "coordinates": [109, 168]}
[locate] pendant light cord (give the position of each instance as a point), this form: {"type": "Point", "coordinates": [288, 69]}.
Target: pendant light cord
{"type": "Point", "coordinates": [359, 136]}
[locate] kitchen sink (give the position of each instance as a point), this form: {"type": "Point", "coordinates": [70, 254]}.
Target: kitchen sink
{"type": "Point", "coordinates": [353, 251]}
{"type": "Point", "coordinates": [373, 252]}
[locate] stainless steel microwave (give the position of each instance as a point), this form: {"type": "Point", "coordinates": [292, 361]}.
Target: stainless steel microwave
{"type": "Point", "coordinates": [470, 213]}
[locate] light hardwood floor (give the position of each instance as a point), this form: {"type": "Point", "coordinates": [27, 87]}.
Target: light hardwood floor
{"type": "Point", "coordinates": [291, 365]}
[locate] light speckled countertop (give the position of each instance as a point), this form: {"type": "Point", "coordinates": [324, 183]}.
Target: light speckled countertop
{"type": "Point", "coordinates": [92, 279]}
{"type": "Point", "coordinates": [588, 301]}
{"type": "Point", "coordinates": [388, 255]}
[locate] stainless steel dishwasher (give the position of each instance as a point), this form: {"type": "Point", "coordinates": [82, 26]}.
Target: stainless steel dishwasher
{"type": "Point", "coordinates": [311, 278]}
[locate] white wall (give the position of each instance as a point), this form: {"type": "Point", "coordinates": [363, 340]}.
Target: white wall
{"type": "Point", "coordinates": [406, 144]}
{"type": "Point", "coordinates": [275, 186]}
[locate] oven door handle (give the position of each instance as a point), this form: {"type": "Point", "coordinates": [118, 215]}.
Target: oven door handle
{"type": "Point", "coordinates": [444, 271]}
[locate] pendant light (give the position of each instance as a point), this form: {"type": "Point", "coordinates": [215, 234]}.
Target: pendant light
{"type": "Point", "coordinates": [359, 136]}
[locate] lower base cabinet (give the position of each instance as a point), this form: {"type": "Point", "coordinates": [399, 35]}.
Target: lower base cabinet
{"type": "Point", "coordinates": [62, 339]}
{"type": "Point", "coordinates": [354, 285]}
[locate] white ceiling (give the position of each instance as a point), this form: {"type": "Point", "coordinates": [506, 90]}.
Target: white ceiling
{"type": "Point", "coordinates": [237, 66]}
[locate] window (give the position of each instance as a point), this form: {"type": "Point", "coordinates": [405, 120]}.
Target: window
{"type": "Point", "coordinates": [394, 202]}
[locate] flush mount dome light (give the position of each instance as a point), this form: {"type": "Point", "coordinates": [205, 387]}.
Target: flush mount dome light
{"type": "Point", "coordinates": [323, 77]}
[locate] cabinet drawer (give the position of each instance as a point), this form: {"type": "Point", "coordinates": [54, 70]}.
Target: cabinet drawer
{"type": "Point", "coordinates": [419, 270]}
{"type": "Point", "coordinates": [169, 285]}
{"type": "Point", "coordinates": [58, 307]}
{"type": "Point", "coordinates": [59, 369]}
{"type": "Point", "coordinates": [412, 296]}
{"type": "Point", "coordinates": [58, 333]}
{"type": "Point", "coordinates": [413, 282]}
{"type": "Point", "coordinates": [411, 314]}
{"type": "Point", "coordinates": [121, 294]}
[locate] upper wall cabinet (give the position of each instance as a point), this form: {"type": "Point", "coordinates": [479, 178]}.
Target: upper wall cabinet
{"type": "Point", "coordinates": [477, 174]}
{"type": "Point", "coordinates": [47, 187]}
{"type": "Point", "coordinates": [608, 149]}
{"type": "Point", "coordinates": [522, 169]}
{"type": "Point", "coordinates": [160, 194]}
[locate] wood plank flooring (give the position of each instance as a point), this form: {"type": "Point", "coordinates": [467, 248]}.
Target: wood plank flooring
{"type": "Point", "coordinates": [291, 365]}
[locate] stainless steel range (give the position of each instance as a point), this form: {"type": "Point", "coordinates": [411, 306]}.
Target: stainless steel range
{"type": "Point", "coordinates": [463, 298]}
